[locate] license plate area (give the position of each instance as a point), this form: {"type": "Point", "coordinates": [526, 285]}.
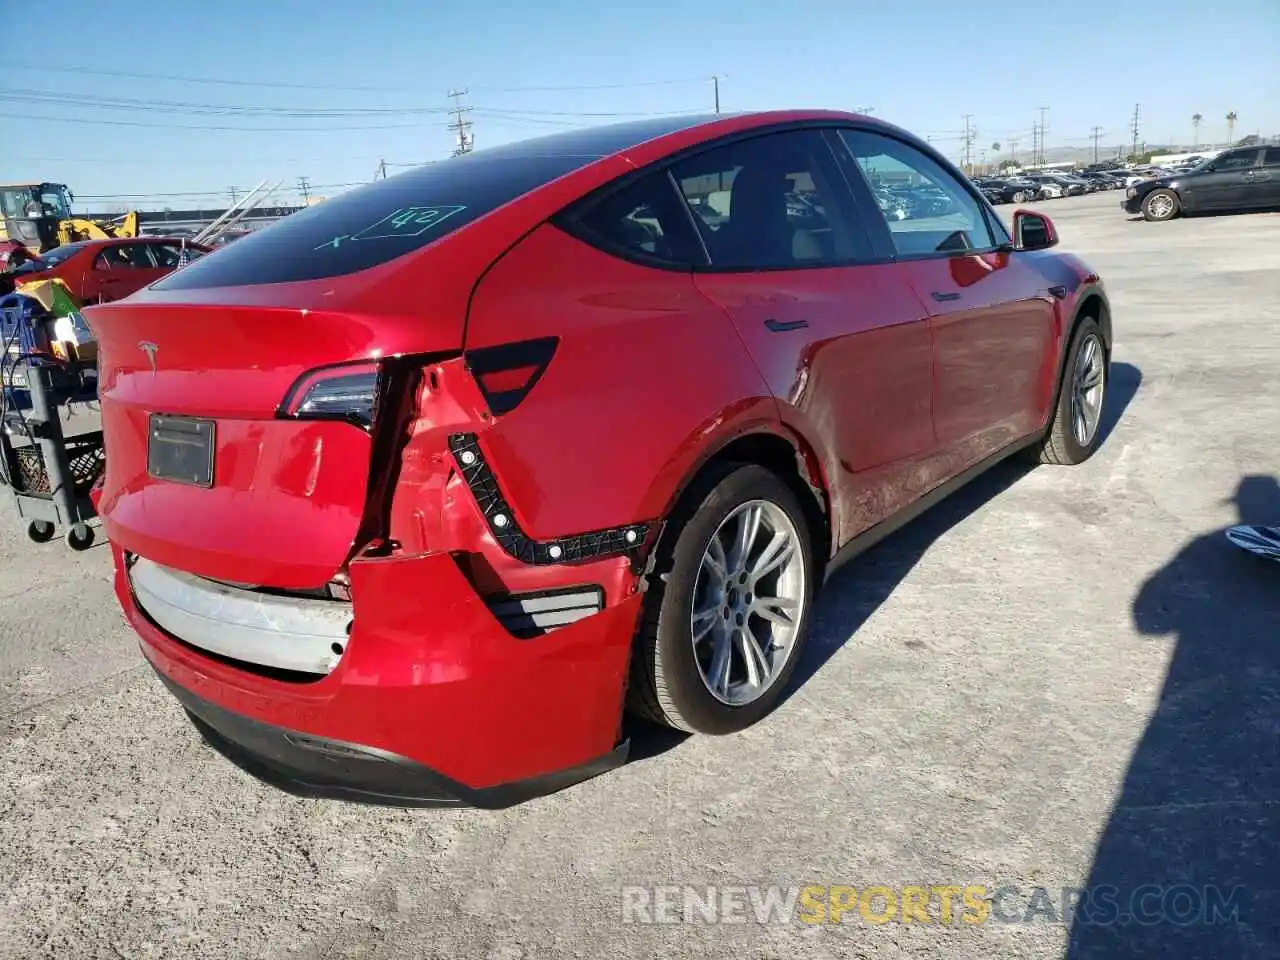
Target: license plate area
{"type": "Point", "coordinates": [180, 449]}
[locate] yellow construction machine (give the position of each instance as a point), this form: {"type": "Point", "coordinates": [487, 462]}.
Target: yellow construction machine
{"type": "Point", "coordinates": [35, 217]}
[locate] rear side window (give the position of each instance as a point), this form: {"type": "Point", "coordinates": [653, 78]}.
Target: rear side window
{"type": "Point", "coordinates": [1272, 157]}
{"type": "Point", "coordinates": [375, 223]}
{"type": "Point", "coordinates": [644, 220]}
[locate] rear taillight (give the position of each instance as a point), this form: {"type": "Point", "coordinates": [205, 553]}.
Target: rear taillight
{"type": "Point", "coordinates": [346, 392]}
{"type": "Point", "coordinates": [508, 372]}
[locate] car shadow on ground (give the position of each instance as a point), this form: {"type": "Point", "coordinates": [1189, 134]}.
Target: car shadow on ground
{"type": "Point", "coordinates": [870, 578]}
{"type": "Point", "coordinates": [1189, 862]}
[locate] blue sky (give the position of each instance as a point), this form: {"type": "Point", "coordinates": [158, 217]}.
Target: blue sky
{"type": "Point", "coordinates": [923, 65]}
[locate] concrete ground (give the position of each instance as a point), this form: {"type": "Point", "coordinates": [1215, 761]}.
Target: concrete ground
{"type": "Point", "coordinates": [1061, 678]}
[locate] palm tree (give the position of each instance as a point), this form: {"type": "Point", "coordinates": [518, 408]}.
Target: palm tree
{"type": "Point", "coordinates": [1195, 126]}
{"type": "Point", "coordinates": [1232, 117]}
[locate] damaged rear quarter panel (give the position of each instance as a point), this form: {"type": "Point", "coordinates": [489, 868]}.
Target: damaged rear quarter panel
{"type": "Point", "coordinates": [647, 375]}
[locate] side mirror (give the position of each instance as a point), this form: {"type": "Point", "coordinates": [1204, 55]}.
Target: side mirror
{"type": "Point", "coordinates": [1033, 231]}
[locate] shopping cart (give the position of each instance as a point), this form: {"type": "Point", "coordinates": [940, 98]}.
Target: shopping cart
{"type": "Point", "coordinates": [48, 474]}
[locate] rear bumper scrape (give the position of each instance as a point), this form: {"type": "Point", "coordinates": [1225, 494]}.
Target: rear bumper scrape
{"type": "Point", "coordinates": [430, 677]}
{"type": "Point", "coordinates": [323, 768]}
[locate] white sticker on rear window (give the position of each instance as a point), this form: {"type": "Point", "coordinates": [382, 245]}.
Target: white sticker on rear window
{"type": "Point", "coordinates": [407, 222]}
{"type": "Point", "coordinates": [402, 222]}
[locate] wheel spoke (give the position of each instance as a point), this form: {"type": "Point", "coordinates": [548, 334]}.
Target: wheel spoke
{"type": "Point", "coordinates": [779, 550]}
{"type": "Point", "coordinates": [704, 620]}
{"type": "Point", "coordinates": [714, 560]}
{"type": "Point", "coordinates": [748, 527]}
{"type": "Point", "coordinates": [1091, 379]}
{"type": "Point", "coordinates": [1090, 348]}
{"type": "Point", "coordinates": [721, 660]}
{"type": "Point", "coordinates": [779, 610]}
{"type": "Point", "coordinates": [756, 662]}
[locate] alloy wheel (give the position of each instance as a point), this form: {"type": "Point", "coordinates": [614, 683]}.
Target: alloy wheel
{"type": "Point", "coordinates": [1088, 384]}
{"type": "Point", "coordinates": [1161, 206]}
{"type": "Point", "coordinates": [748, 602]}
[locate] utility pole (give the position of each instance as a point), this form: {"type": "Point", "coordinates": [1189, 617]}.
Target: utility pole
{"type": "Point", "coordinates": [1097, 134]}
{"type": "Point", "coordinates": [1043, 127]}
{"type": "Point", "coordinates": [304, 187]}
{"type": "Point", "coordinates": [235, 195]}
{"type": "Point", "coordinates": [1013, 151]}
{"type": "Point", "coordinates": [460, 125]}
{"type": "Point", "coordinates": [969, 134]}
{"type": "Point", "coordinates": [715, 89]}
{"type": "Point", "coordinates": [1137, 114]}
{"type": "Point", "coordinates": [1035, 144]}
{"type": "Point", "coordinates": [382, 170]}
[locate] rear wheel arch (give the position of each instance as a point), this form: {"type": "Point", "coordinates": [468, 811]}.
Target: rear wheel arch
{"type": "Point", "coordinates": [778, 450]}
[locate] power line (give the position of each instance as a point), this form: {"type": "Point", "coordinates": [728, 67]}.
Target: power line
{"type": "Point", "coordinates": [304, 187]}
{"type": "Point", "coordinates": [267, 84]}
{"type": "Point", "coordinates": [188, 126]}
{"type": "Point", "coordinates": [239, 110]}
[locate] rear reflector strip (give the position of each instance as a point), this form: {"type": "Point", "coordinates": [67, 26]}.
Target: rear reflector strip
{"type": "Point", "coordinates": [530, 615]}
{"type": "Point", "coordinates": [502, 523]}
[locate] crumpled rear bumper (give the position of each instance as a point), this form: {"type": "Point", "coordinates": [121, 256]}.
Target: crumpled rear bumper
{"type": "Point", "coordinates": [433, 701]}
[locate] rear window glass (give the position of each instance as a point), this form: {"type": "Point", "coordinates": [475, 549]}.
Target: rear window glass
{"type": "Point", "coordinates": [376, 223]}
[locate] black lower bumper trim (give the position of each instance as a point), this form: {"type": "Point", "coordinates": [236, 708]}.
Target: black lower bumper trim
{"type": "Point", "coordinates": [317, 767]}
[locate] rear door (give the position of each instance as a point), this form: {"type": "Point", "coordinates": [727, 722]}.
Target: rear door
{"type": "Point", "coordinates": [841, 340]}
{"type": "Point", "coordinates": [991, 313]}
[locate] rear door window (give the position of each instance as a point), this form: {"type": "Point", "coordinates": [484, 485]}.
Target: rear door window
{"type": "Point", "coordinates": [376, 223]}
{"type": "Point", "coordinates": [771, 202]}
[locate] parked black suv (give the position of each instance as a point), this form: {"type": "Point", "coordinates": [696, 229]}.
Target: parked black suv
{"type": "Point", "coordinates": [1244, 179]}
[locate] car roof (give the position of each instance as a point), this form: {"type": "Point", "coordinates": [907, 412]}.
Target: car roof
{"type": "Point", "coordinates": [618, 138]}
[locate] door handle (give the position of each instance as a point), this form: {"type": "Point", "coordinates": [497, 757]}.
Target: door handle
{"type": "Point", "coordinates": [782, 326]}
{"type": "Point", "coordinates": [945, 297]}
{"type": "Point", "coordinates": [1058, 291]}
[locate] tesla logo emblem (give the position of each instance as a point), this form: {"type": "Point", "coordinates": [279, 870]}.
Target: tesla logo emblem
{"type": "Point", "coordinates": [149, 348]}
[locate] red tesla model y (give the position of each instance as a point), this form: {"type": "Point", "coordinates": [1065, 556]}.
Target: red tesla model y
{"type": "Point", "coordinates": [412, 493]}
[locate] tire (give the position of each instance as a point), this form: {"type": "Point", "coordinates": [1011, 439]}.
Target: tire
{"type": "Point", "coordinates": [1062, 445]}
{"type": "Point", "coordinates": [1019, 197]}
{"type": "Point", "coordinates": [79, 536]}
{"type": "Point", "coordinates": [668, 672]}
{"type": "Point", "coordinates": [1160, 205]}
{"type": "Point", "coordinates": [40, 531]}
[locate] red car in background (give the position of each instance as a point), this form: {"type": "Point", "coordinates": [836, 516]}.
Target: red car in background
{"type": "Point", "coordinates": [99, 271]}
{"type": "Point", "coordinates": [411, 492]}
